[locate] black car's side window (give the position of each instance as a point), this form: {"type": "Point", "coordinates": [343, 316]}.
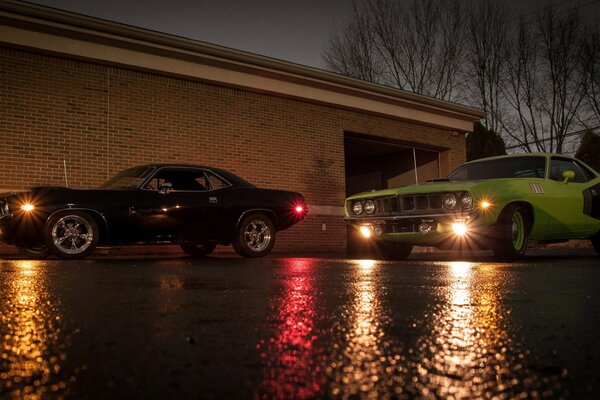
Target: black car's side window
{"type": "Point", "coordinates": [180, 180]}
{"type": "Point", "coordinates": [559, 165]}
{"type": "Point", "coordinates": [215, 181]}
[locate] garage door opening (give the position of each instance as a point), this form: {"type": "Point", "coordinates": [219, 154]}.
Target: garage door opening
{"type": "Point", "coordinates": [374, 163]}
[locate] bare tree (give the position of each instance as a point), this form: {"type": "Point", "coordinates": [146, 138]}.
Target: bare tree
{"type": "Point", "coordinates": [351, 49]}
{"type": "Point", "coordinates": [590, 68]}
{"type": "Point", "coordinates": [416, 48]}
{"type": "Point", "coordinates": [544, 86]}
{"type": "Point", "coordinates": [488, 25]}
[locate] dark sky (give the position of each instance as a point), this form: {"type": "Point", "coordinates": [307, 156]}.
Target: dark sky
{"type": "Point", "coordinates": [295, 31]}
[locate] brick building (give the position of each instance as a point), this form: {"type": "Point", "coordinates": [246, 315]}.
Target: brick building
{"type": "Point", "coordinates": [100, 96]}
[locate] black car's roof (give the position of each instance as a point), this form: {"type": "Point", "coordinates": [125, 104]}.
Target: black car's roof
{"type": "Point", "coordinates": [232, 178]}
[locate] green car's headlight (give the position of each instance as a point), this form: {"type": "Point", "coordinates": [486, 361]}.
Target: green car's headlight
{"type": "Point", "coordinates": [357, 208]}
{"type": "Point", "coordinates": [449, 201]}
{"type": "Point", "coordinates": [369, 207]}
{"type": "Point", "coordinates": [466, 201]}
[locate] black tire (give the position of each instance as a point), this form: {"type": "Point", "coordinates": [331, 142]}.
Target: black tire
{"type": "Point", "coordinates": [393, 251]}
{"type": "Point", "coordinates": [511, 233]}
{"type": "Point", "coordinates": [255, 236]}
{"type": "Point", "coordinates": [71, 234]}
{"type": "Point", "coordinates": [596, 242]}
{"type": "Point", "coordinates": [198, 249]}
{"type": "Point", "coordinates": [39, 252]}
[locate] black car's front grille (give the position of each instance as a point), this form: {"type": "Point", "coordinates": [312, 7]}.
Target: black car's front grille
{"type": "Point", "coordinates": [3, 207]}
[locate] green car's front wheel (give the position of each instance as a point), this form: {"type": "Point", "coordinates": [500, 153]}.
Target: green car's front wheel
{"type": "Point", "coordinates": [511, 241]}
{"type": "Point", "coordinates": [596, 242]}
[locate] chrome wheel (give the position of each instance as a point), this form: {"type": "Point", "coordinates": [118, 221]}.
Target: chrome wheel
{"type": "Point", "coordinates": [72, 234]}
{"type": "Point", "coordinates": [257, 235]}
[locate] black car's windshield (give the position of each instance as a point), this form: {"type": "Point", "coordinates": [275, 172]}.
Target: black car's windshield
{"type": "Point", "coordinates": [129, 179]}
{"type": "Point", "coordinates": [512, 167]}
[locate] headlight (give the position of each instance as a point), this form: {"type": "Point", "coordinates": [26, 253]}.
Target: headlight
{"type": "Point", "coordinates": [449, 201]}
{"type": "Point", "coordinates": [27, 207]}
{"type": "Point", "coordinates": [369, 207]}
{"type": "Point", "coordinates": [357, 208]}
{"type": "Point", "coordinates": [466, 201]}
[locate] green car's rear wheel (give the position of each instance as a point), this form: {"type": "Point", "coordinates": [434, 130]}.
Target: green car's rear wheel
{"type": "Point", "coordinates": [512, 230]}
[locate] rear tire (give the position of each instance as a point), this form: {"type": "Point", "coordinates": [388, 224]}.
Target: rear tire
{"type": "Point", "coordinates": [393, 251]}
{"type": "Point", "coordinates": [512, 235]}
{"type": "Point", "coordinates": [71, 234]}
{"type": "Point", "coordinates": [255, 236]}
{"type": "Point", "coordinates": [198, 249]}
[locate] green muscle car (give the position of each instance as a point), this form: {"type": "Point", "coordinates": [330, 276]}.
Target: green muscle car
{"type": "Point", "coordinates": [498, 203]}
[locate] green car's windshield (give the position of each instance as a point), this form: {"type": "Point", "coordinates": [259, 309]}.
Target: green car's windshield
{"type": "Point", "coordinates": [512, 167]}
{"type": "Point", "coordinates": [129, 179]}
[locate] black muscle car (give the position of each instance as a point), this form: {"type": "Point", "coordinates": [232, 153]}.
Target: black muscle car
{"type": "Point", "coordinates": [193, 206]}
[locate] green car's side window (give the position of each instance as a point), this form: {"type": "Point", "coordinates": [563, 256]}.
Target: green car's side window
{"type": "Point", "coordinates": [560, 165]}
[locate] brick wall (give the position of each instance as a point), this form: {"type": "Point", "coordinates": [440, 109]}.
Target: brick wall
{"type": "Point", "coordinates": [102, 119]}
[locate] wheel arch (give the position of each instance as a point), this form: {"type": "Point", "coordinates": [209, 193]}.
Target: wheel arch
{"type": "Point", "coordinates": [265, 211]}
{"type": "Point", "coordinates": [529, 214]}
{"type": "Point", "coordinates": [99, 218]}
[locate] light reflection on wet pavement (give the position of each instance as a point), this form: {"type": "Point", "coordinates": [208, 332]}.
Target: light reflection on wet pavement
{"type": "Point", "coordinates": [299, 328]}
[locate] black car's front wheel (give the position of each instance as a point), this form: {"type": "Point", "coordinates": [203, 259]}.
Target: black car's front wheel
{"type": "Point", "coordinates": [198, 249]}
{"type": "Point", "coordinates": [35, 252]}
{"type": "Point", "coordinates": [71, 234]}
{"type": "Point", "coordinates": [512, 228]}
{"type": "Point", "coordinates": [255, 236]}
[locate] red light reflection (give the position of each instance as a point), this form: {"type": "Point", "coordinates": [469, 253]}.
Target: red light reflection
{"type": "Point", "coordinates": [291, 365]}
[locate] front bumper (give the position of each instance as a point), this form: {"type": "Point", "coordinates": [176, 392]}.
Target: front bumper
{"type": "Point", "coordinates": [424, 230]}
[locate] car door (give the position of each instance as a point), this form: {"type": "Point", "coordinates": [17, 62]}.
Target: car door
{"type": "Point", "coordinates": [566, 218]}
{"type": "Point", "coordinates": [176, 204]}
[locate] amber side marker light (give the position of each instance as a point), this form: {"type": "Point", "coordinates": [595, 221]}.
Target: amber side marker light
{"type": "Point", "coordinates": [27, 207]}
{"type": "Point", "coordinates": [485, 205]}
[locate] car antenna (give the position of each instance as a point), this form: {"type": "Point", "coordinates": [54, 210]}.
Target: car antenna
{"type": "Point", "coordinates": [66, 179]}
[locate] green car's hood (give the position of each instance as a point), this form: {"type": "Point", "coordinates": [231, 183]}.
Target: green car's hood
{"type": "Point", "coordinates": [429, 187]}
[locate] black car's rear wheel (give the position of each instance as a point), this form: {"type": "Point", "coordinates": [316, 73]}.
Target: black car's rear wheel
{"type": "Point", "coordinates": [198, 249]}
{"type": "Point", "coordinates": [71, 234]}
{"type": "Point", "coordinates": [255, 236]}
{"type": "Point", "coordinates": [35, 252]}
{"type": "Point", "coordinates": [393, 251]}
{"type": "Point", "coordinates": [512, 228]}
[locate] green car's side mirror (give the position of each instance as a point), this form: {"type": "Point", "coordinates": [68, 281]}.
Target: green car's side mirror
{"type": "Point", "coordinates": [568, 175]}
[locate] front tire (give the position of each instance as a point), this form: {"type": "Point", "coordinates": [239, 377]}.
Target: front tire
{"type": "Point", "coordinates": [512, 230]}
{"type": "Point", "coordinates": [39, 252]}
{"type": "Point", "coordinates": [255, 236]}
{"type": "Point", "coordinates": [198, 249]}
{"type": "Point", "coordinates": [71, 234]}
{"type": "Point", "coordinates": [596, 242]}
{"type": "Point", "coordinates": [393, 251]}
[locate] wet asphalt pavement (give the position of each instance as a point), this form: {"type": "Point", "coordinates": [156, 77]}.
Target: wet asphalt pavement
{"type": "Point", "coordinates": [226, 327]}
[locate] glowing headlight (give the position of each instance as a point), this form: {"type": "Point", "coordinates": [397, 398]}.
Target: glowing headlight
{"type": "Point", "coordinates": [366, 231]}
{"type": "Point", "coordinates": [357, 208]}
{"type": "Point", "coordinates": [369, 207]}
{"type": "Point", "coordinates": [466, 201]}
{"type": "Point", "coordinates": [460, 228]}
{"type": "Point", "coordinates": [27, 207]}
{"type": "Point", "coordinates": [449, 201]}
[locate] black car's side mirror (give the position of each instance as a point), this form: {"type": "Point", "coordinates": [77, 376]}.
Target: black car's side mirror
{"type": "Point", "coordinates": [165, 188]}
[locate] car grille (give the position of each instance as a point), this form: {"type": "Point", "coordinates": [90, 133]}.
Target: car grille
{"type": "Point", "coordinates": [3, 207]}
{"type": "Point", "coordinates": [417, 204]}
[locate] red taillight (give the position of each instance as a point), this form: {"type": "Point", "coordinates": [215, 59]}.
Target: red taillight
{"type": "Point", "coordinates": [299, 209]}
